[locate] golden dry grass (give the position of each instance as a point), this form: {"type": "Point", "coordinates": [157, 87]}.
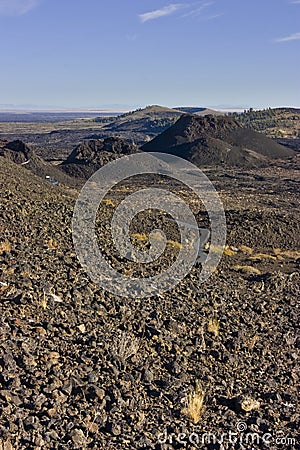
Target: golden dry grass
{"type": "Point", "coordinates": [247, 270]}
{"type": "Point", "coordinates": [43, 302]}
{"type": "Point", "coordinates": [108, 202]}
{"type": "Point", "coordinates": [228, 251]}
{"type": "Point", "coordinates": [262, 256]}
{"type": "Point", "coordinates": [6, 445]}
{"type": "Point", "coordinates": [52, 244]}
{"type": "Point", "coordinates": [174, 244]}
{"type": "Point", "coordinates": [291, 254]}
{"type": "Point", "coordinates": [194, 407]}
{"type": "Point", "coordinates": [246, 249]}
{"type": "Point", "coordinates": [218, 249]}
{"type": "Point", "coordinates": [249, 404]}
{"type": "Point", "coordinates": [140, 237]}
{"type": "Point", "coordinates": [5, 247]}
{"type": "Point", "coordinates": [213, 326]}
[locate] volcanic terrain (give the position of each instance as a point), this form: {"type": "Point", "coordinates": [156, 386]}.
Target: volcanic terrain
{"type": "Point", "coordinates": [82, 368]}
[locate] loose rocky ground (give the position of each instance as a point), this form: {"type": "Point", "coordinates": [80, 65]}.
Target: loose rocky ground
{"type": "Point", "coordinates": [81, 368]}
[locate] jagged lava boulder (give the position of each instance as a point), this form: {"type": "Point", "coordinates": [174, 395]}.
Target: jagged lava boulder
{"type": "Point", "coordinates": [90, 155]}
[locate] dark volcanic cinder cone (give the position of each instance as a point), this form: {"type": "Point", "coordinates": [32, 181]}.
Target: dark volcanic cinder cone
{"type": "Point", "coordinates": [212, 140]}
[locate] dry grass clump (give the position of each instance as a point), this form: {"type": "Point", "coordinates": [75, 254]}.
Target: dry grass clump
{"type": "Point", "coordinates": [278, 254]}
{"type": "Point", "coordinates": [247, 270]}
{"type": "Point", "coordinates": [249, 404]}
{"type": "Point", "coordinates": [43, 301]}
{"type": "Point", "coordinates": [140, 237]}
{"type": "Point", "coordinates": [213, 326]}
{"type": "Point", "coordinates": [6, 445]}
{"type": "Point", "coordinates": [262, 256]}
{"type": "Point", "coordinates": [194, 407]}
{"type": "Point", "coordinates": [174, 244]}
{"type": "Point", "coordinates": [52, 244]}
{"type": "Point", "coordinates": [5, 247]}
{"type": "Point", "coordinates": [218, 249]}
{"type": "Point", "coordinates": [246, 249]}
{"type": "Point", "coordinates": [125, 346]}
{"type": "Point", "coordinates": [292, 254]}
{"type": "Point", "coordinates": [108, 202]}
{"type": "Point", "coordinates": [229, 251]}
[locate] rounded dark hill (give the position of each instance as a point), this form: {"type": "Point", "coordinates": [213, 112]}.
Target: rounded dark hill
{"type": "Point", "coordinates": [220, 140]}
{"type": "Point", "coordinates": [90, 155]}
{"type": "Point", "coordinates": [149, 121]}
{"type": "Point", "coordinates": [22, 154]}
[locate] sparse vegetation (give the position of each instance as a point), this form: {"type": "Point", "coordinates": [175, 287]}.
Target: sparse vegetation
{"type": "Point", "coordinates": [261, 257]}
{"type": "Point", "coordinates": [249, 404]}
{"type": "Point", "coordinates": [140, 237]}
{"type": "Point", "coordinates": [52, 244]}
{"type": "Point", "coordinates": [276, 122]}
{"type": "Point", "coordinates": [229, 251]}
{"type": "Point", "coordinates": [247, 269]}
{"type": "Point", "coordinates": [5, 247]}
{"type": "Point", "coordinates": [125, 346]}
{"type": "Point", "coordinates": [108, 202]}
{"type": "Point", "coordinates": [213, 326]}
{"type": "Point", "coordinates": [194, 407]}
{"type": "Point", "coordinates": [174, 244]}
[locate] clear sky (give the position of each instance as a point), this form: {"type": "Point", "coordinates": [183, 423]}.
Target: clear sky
{"type": "Point", "coordinates": [95, 53]}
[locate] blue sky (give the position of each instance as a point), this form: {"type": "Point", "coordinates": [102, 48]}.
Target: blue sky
{"type": "Point", "coordinates": [94, 53]}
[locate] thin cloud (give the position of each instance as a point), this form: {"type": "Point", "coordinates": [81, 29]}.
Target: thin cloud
{"type": "Point", "coordinates": [197, 11]}
{"type": "Point", "coordinates": [158, 13]}
{"type": "Point", "coordinates": [295, 2]}
{"type": "Point", "coordinates": [16, 7]}
{"type": "Point", "coordinates": [291, 37]}
{"type": "Point", "coordinates": [214, 16]}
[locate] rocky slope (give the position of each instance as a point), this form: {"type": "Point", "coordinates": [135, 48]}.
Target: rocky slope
{"type": "Point", "coordinates": [81, 368]}
{"type": "Point", "coordinates": [213, 140]}
{"type": "Point", "coordinates": [22, 154]}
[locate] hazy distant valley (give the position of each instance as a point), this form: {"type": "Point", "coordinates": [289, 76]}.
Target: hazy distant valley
{"type": "Point", "coordinates": [54, 135]}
